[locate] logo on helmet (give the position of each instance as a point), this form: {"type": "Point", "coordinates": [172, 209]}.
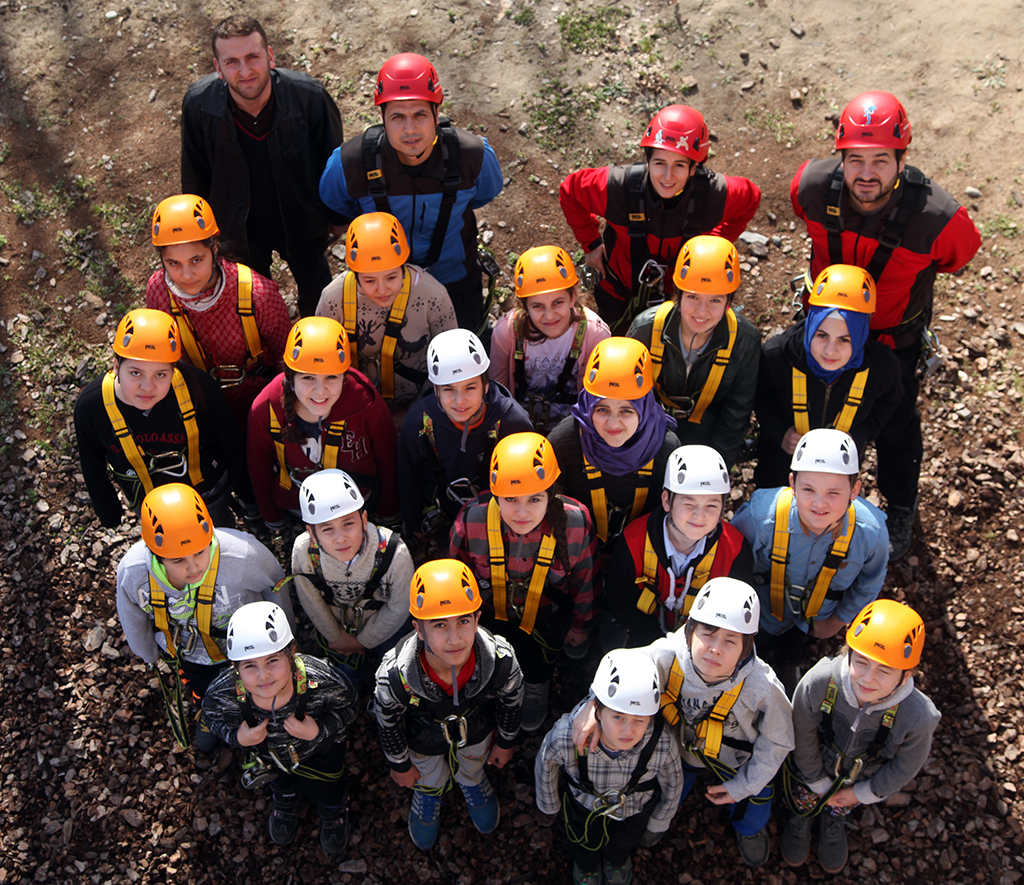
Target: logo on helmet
{"type": "Point", "coordinates": [868, 111]}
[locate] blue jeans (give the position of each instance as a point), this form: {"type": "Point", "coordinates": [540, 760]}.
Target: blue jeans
{"type": "Point", "coordinates": [748, 816]}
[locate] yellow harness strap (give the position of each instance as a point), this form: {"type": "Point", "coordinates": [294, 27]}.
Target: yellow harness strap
{"type": "Point", "coordinates": [649, 579]}
{"type": "Point", "coordinates": [800, 419]}
{"type": "Point", "coordinates": [844, 420]}
{"type": "Point", "coordinates": [670, 696]}
{"type": "Point", "coordinates": [658, 347]}
{"type": "Point", "coordinates": [709, 730]}
{"type": "Point", "coordinates": [203, 610]}
{"type": "Point", "coordinates": [538, 579]}
{"type": "Point", "coordinates": [349, 310]}
{"type": "Point", "coordinates": [329, 457]}
{"type": "Point", "coordinates": [127, 441]}
{"type": "Point", "coordinates": [391, 328]}
{"type": "Point", "coordinates": [700, 577]}
{"type": "Point", "coordinates": [599, 501]}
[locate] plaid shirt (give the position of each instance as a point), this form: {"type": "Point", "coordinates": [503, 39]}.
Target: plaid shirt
{"type": "Point", "coordinates": [582, 585]}
{"type": "Point", "coordinates": [558, 754]}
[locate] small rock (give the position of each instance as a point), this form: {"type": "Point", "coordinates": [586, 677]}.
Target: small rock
{"type": "Point", "coordinates": [152, 95]}
{"type": "Point", "coordinates": [744, 56]}
{"type": "Point", "coordinates": [796, 96]}
{"type": "Point", "coordinates": [987, 271]}
{"type": "Point", "coordinates": [797, 30]}
{"type": "Point", "coordinates": [94, 638]}
{"type": "Point", "coordinates": [352, 866]}
{"type": "Point", "coordinates": [749, 237]}
{"type": "Point", "coordinates": [759, 250]}
{"type": "Point", "coordinates": [111, 13]}
{"type": "Point", "coordinates": [746, 87]}
{"type": "Point", "coordinates": [955, 500]}
{"type": "Point", "coordinates": [972, 192]}
{"type": "Point", "coordinates": [688, 84]}
{"type": "Point", "coordinates": [132, 817]}
{"type": "Point", "coordinates": [487, 237]}
{"type": "Point", "coordinates": [412, 14]}
{"type": "Point", "coordinates": [101, 319]}
{"type": "Point", "coordinates": [878, 836]}
{"type": "Point", "coordinates": [1012, 536]}
{"type": "Point", "coordinates": [524, 128]}
{"type": "Point", "coordinates": [774, 43]}
{"type": "Point", "coordinates": [42, 506]}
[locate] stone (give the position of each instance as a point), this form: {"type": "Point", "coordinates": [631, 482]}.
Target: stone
{"type": "Point", "coordinates": [797, 30]}
{"type": "Point", "coordinates": [749, 237]}
{"type": "Point", "coordinates": [747, 86]}
{"type": "Point", "coordinates": [972, 192]}
{"type": "Point", "coordinates": [524, 128]}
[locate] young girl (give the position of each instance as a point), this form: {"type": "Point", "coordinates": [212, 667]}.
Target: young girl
{"type": "Point", "coordinates": [824, 372]}
{"type": "Point", "coordinates": [152, 420]}
{"type": "Point", "coordinates": [538, 349]}
{"type": "Point", "coordinates": [233, 321]}
{"type": "Point", "coordinates": [389, 308]}
{"type": "Point", "coordinates": [650, 209]}
{"type": "Point", "coordinates": [289, 714]}
{"type": "Point", "coordinates": [320, 413]}
{"type": "Point", "coordinates": [863, 731]}
{"type": "Point", "coordinates": [533, 551]}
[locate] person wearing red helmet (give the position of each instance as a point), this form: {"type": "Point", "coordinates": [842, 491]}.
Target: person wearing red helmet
{"type": "Point", "coordinates": [868, 208]}
{"type": "Point", "coordinates": [650, 209]}
{"type": "Point", "coordinates": [427, 173]}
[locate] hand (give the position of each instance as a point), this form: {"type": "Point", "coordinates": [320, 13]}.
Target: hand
{"type": "Point", "coordinates": [250, 737]}
{"type": "Point", "coordinates": [845, 798]}
{"type": "Point", "coordinates": [304, 729]}
{"type": "Point", "coordinates": [826, 627]}
{"type": "Point", "coordinates": [407, 779]}
{"type": "Point", "coordinates": [347, 644]}
{"type": "Point", "coordinates": [717, 794]}
{"type": "Point", "coordinates": [595, 261]}
{"type": "Point", "coordinates": [575, 638]}
{"type": "Point", "coordinates": [499, 756]}
{"type": "Point", "coordinates": [584, 728]}
{"type": "Point", "coordinates": [791, 440]}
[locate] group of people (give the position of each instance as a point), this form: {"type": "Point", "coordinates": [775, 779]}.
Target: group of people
{"type": "Point", "coordinates": [561, 480]}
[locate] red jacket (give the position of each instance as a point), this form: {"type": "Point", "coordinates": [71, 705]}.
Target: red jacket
{"type": "Point", "coordinates": [368, 449]}
{"type": "Point", "coordinates": [940, 238]}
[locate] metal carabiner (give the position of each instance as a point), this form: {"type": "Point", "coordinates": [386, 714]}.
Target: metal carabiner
{"type": "Point", "coordinates": [611, 804]}
{"type": "Point", "coordinates": [452, 725]}
{"type": "Point", "coordinates": [190, 643]}
{"type": "Point", "coordinates": [169, 463]}
{"type": "Point", "coordinates": [229, 376]}
{"type": "Point", "coordinates": [931, 360]}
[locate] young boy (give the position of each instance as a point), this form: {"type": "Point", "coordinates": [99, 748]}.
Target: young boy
{"type": "Point", "coordinates": [350, 575]}
{"type": "Point", "coordinates": [664, 558]}
{"type": "Point", "coordinates": [863, 730]}
{"type": "Point", "coordinates": [627, 791]}
{"type": "Point", "coordinates": [441, 694]}
{"type": "Point", "coordinates": [734, 718]}
{"type": "Point", "coordinates": [447, 437]}
{"type": "Point", "coordinates": [820, 551]}
{"type": "Point", "coordinates": [290, 713]}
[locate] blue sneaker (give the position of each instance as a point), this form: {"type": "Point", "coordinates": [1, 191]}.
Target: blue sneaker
{"type": "Point", "coordinates": [424, 819]}
{"type": "Point", "coordinates": [482, 805]}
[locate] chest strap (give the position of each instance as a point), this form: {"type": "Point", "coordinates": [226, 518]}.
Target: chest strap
{"type": "Point", "coordinates": [844, 420]}
{"type": "Point", "coordinates": [564, 390]}
{"type": "Point", "coordinates": [709, 731]}
{"type": "Point", "coordinates": [538, 578]}
{"type": "Point", "coordinates": [599, 500]}
{"type": "Point", "coordinates": [826, 732]}
{"type": "Point", "coordinates": [382, 560]}
{"type": "Point", "coordinates": [131, 449]}
{"type": "Point", "coordinates": [333, 435]}
{"type": "Point", "coordinates": [203, 610]}
{"type": "Point", "coordinates": [585, 784]}
{"type": "Point", "coordinates": [811, 602]}
{"type": "Point", "coordinates": [392, 328]}
{"type": "Point", "coordinates": [648, 581]}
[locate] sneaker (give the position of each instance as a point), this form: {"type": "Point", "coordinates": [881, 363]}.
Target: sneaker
{"type": "Point", "coordinates": [206, 741]}
{"type": "Point", "coordinates": [424, 819]}
{"type": "Point", "coordinates": [618, 875]}
{"type": "Point", "coordinates": [576, 652]}
{"type": "Point", "coordinates": [535, 705]}
{"type": "Point", "coordinates": [832, 847]}
{"type": "Point", "coordinates": [900, 523]}
{"type": "Point", "coordinates": [754, 849]}
{"type": "Point", "coordinates": [796, 840]}
{"type": "Point", "coordinates": [579, 877]}
{"type": "Point", "coordinates": [284, 820]}
{"type": "Point", "coordinates": [482, 805]}
{"type": "Point", "coordinates": [333, 828]}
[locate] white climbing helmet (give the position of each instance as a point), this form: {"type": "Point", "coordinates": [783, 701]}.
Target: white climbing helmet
{"type": "Point", "coordinates": [696, 470]}
{"type": "Point", "coordinates": [826, 450]}
{"type": "Point", "coordinates": [257, 629]}
{"type": "Point", "coordinates": [728, 603]}
{"type": "Point", "coordinates": [327, 495]}
{"type": "Point", "coordinates": [456, 355]}
{"type": "Point", "coordinates": [627, 682]}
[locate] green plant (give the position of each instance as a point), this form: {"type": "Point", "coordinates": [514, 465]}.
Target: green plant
{"type": "Point", "coordinates": [5, 151]}
{"type": "Point", "coordinates": [990, 74]}
{"type": "Point", "coordinates": [591, 30]}
{"type": "Point", "coordinates": [524, 17]}
{"type": "Point", "coordinates": [1000, 224]}
{"type": "Point", "coordinates": [773, 123]}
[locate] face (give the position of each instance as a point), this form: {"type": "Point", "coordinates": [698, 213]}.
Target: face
{"type": "Point", "coordinates": [615, 420]}
{"type": "Point", "coordinates": [245, 63]}
{"type": "Point", "coordinates": [268, 678]}
{"type": "Point", "coordinates": [342, 536]}
{"type": "Point", "coordinates": [872, 681]}
{"type": "Point", "coordinates": [668, 172]}
{"type": "Point", "coordinates": [143, 384]}
{"type": "Point", "coordinates": [621, 731]}
{"type": "Point", "coordinates": [523, 513]}
{"type": "Point", "coordinates": [693, 516]}
{"type": "Point", "coordinates": [831, 346]}
{"type": "Point", "coordinates": [715, 652]}
{"type": "Point", "coordinates": [449, 640]}
{"type": "Point", "coordinates": [382, 288]}
{"type": "Point", "coordinates": [551, 312]}
{"type": "Point", "coordinates": [190, 266]}
{"type": "Point", "coordinates": [699, 314]}
{"type": "Point", "coordinates": [187, 569]}
{"type": "Point", "coordinates": [822, 498]}
{"type": "Point", "coordinates": [317, 395]}
{"type": "Point", "coordinates": [870, 175]}
{"type": "Point", "coordinates": [461, 400]}
{"type": "Point", "coordinates": [411, 129]}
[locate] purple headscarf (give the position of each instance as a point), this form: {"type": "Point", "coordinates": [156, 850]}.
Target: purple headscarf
{"type": "Point", "coordinates": [856, 323]}
{"type": "Point", "coordinates": [640, 448]}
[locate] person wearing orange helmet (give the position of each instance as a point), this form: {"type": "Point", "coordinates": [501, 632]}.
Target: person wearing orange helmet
{"type": "Point", "coordinates": [705, 354]}
{"type": "Point", "coordinates": [869, 208]}
{"type": "Point", "coordinates": [539, 348]}
{"type": "Point", "coordinates": [863, 731]}
{"type": "Point", "coordinates": [152, 420]}
{"type": "Point", "coordinates": [320, 413]}
{"type": "Point", "coordinates": [233, 321]}
{"type": "Point", "coordinates": [390, 308]}
{"type": "Point", "coordinates": [650, 209]}
{"type": "Point", "coordinates": [824, 371]}
{"type": "Point", "coordinates": [427, 173]}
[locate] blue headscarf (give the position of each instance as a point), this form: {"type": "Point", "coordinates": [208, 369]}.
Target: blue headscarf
{"type": "Point", "coordinates": [857, 323]}
{"type": "Point", "coordinates": [640, 448]}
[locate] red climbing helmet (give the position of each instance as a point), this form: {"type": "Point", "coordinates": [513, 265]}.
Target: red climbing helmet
{"type": "Point", "coordinates": [681, 129]}
{"type": "Point", "coordinates": [874, 119]}
{"type": "Point", "coordinates": [407, 76]}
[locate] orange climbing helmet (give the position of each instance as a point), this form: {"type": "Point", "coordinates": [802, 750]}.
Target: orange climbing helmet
{"type": "Point", "coordinates": [184, 218]}
{"type": "Point", "coordinates": [889, 632]}
{"type": "Point", "coordinates": [523, 464]}
{"type": "Point", "coordinates": [443, 588]}
{"type": "Point", "coordinates": [407, 76]}
{"type": "Point", "coordinates": [318, 346]}
{"type": "Point", "coordinates": [845, 286]}
{"type": "Point", "coordinates": [544, 269]}
{"type": "Point", "coordinates": [375, 241]}
{"type": "Point", "coordinates": [619, 368]}
{"type": "Point", "coordinates": [175, 521]}
{"type": "Point", "coordinates": [707, 265]}
{"type": "Point", "coordinates": [148, 335]}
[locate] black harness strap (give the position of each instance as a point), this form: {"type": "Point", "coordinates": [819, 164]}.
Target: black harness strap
{"type": "Point", "coordinates": [586, 785]}
{"type": "Point", "coordinates": [446, 707]}
{"type": "Point", "coordinates": [249, 714]}
{"type": "Point", "coordinates": [376, 186]}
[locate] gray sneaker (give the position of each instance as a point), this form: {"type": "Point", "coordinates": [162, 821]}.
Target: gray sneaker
{"type": "Point", "coordinates": [535, 705]}
{"type": "Point", "coordinates": [832, 847]}
{"type": "Point", "coordinates": [754, 849]}
{"type": "Point", "coordinates": [796, 840]}
{"type": "Point", "coordinates": [900, 523]}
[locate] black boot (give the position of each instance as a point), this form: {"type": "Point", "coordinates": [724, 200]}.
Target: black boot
{"type": "Point", "coordinates": [333, 827]}
{"type": "Point", "coordinates": [284, 818]}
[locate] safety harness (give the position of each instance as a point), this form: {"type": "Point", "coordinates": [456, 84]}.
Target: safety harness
{"type": "Point", "coordinates": [203, 613]}
{"type": "Point", "coordinates": [334, 433]}
{"type": "Point", "coordinates": [599, 500]}
{"type": "Point", "coordinates": [694, 412]}
{"type": "Point", "coordinates": [131, 449]}
{"type": "Point", "coordinates": [434, 515]}
{"type": "Point", "coordinates": [538, 405]}
{"type": "Point", "coordinates": [844, 420]}
{"type": "Point", "coordinates": [650, 598]}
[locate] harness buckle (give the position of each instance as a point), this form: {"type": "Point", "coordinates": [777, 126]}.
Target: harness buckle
{"type": "Point", "coordinates": [455, 730]}
{"type": "Point", "coordinates": [796, 596]}
{"type": "Point", "coordinates": [229, 376]}
{"type": "Point", "coordinates": [683, 405]}
{"type": "Point", "coordinates": [192, 636]}
{"type": "Point", "coordinates": [300, 474]}
{"type": "Point", "coordinates": [169, 463]}
{"type": "Point", "coordinates": [930, 361]}
{"type": "Point", "coordinates": [611, 804]}
{"type": "Point", "coordinates": [460, 490]}
{"type": "Point", "coordinates": [650, 278]}
{"type": "Point", "coordinates": [256, 773]}
{"type": "Point", "coordinates": [434, 520]}
{"type": "Point", "coordinates": [352, 617]}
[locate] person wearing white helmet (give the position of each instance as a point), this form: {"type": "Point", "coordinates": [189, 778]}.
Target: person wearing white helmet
{"type": "Point", "coordinates": [289, 714]}
{"type": "Point", "coordinates": [445, 445]}
{"type": "Point", "coordinates": [664, 558]}
{"type": "Point", "coordinates": [350, 575]}
{"type": "Point", "coordinates": [624, 793]}
{"type": "Point", "coordinates": [820, 550]}
{"type": "Point", "coordinates": [733, 717]}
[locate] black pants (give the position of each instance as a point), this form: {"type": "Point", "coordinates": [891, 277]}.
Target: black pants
{"type": "Point", "coordinates": [331, 792]}
{"type": "Point", "coordinates": [197, 677]}
{"type": "Point", "coordinates": [623, 835]}
{"type": "Point", "coordinates": [789, 647]}
{"type": "Point", "coordinates": [536, 652]}
{"type": "Point", "coordinates": [307, 261]}
{"type": "Point", "coordinates": [612, 310]}
{"type": "Point", "coordinates": [468, 299]}
{"type": "Point", "coordinates": [900, 445]}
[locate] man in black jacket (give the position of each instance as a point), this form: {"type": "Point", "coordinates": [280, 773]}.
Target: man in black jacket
{"type": "Point", "coordinates": [254, 140]}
